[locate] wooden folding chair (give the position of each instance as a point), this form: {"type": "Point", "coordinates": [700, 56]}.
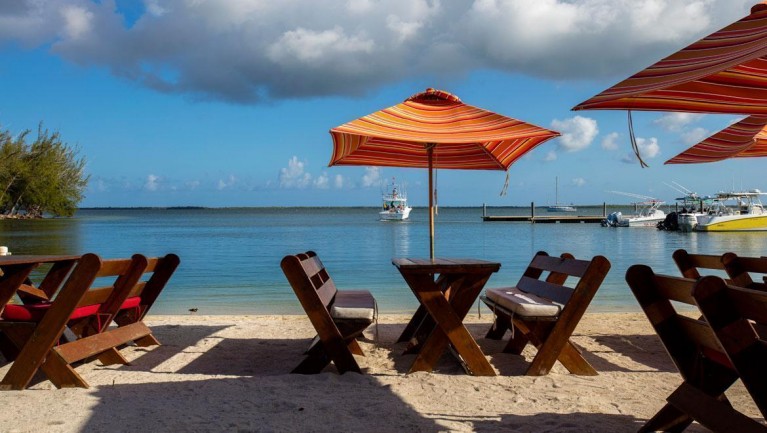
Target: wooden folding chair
{"type": "Point", "coordinates": [705, 368]}
{"type": "Point", "coordinates": [339, 317]}
{"type": "Point", "coordinates": [737, 315]}
{"type": "Point", "coordinates": [37, 330]}
{"type": "Point", "coordinates": [546, 312]}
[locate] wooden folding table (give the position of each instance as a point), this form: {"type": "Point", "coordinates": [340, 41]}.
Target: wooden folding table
{"type": "Point", "coordinates": [446, 290]}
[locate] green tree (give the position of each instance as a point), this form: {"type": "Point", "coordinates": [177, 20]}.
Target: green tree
{"type": "Point", "coordinates": [46, 176]}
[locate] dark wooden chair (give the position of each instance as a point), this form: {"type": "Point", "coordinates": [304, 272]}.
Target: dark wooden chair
{"type": "Point", "coordinates": [37, 329]}
{"type": "Point", "coordinates": [691, 264]}
{"type": "Point", "coordinates": [545, 312]}
{"type": "Point", "coordinates": [737, 315]}
{"type": "Point", "coordinates": [339, 317]}
{"type": "Point", "coordinates": [693, 347]}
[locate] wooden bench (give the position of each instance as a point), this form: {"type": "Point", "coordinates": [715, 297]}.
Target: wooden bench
{"type": "Point", "coordinates": [339, 317]}
{"type": "Point", "coordinates": [692, 345]}
{"type": "Point", "coordinates": [546, 312]}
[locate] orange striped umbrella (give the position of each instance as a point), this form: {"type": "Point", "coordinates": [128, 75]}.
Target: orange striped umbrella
{"type": "Point", "coordinates": [745, 139]}
{"type": "Point", "coordinates": [725, 72]}
{"type": "Point", "coordinates": [434, 129]}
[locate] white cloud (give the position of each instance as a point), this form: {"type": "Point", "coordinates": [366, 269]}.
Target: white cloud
{"type": "Point", "coordinates": [192, 184]}
{"type": "Point", "coordinates": [322, 181]}
{"type": "Point", "coordinates": [648, 149]}
{"type": "Point", "coordinates": [610, 142]}
{"type": "Point", "coordinates": [676, 122]}
{"type": "Point", "coordinates": [338, 181]}
{"type": "Point", "coordinates": [152, 183]}
{"type": "Point", "coordinates": [694, 136]}
{"type": "Point", "coordinates": [252, 51]}
{"type": "Point", "coordinates": [77, 21]}
{"type": "Point", "coordinates": [551, 155]}
{"type": "Point", "coordinates": [372, 177]}
{"type": "Point", "coordinates": [579, 181]}
{"type": "Point", "coordinates": [226, 183]}
{"type": "Point", "coordinates": [577, 132]}
{"type": "Point", "coordinates": [293, 176]}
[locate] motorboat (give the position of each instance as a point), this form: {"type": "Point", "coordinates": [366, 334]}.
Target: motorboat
{"type": "Point", "coordinates": [395, 207]}
{"type": "Point", "coordinates": [648, 216]}
{"type": "Point", "coordinates": [734, 212]}
{"type": "Point", "coordinates": [559, 207]}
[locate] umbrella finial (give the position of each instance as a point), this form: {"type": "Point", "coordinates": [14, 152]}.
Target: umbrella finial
{"type": "Point", "coordinates": [432, 94]}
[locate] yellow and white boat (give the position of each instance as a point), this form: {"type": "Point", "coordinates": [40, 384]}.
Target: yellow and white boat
{"type": "Point", "coordinates": [747, 214]}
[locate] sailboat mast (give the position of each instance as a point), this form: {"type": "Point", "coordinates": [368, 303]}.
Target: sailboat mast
{"type": "Point", "coordinates": [556, 190]}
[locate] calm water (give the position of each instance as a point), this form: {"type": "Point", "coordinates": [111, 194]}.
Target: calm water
{"type": "Point", "coordinates": [230, 257]}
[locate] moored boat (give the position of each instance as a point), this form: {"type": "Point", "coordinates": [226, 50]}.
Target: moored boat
{"type": "Point", "coordinates": [745, 214]}
{"type": "Point", "coordinates": [395, 207]}
{"type": "Point", "coordinates": [559, 207]}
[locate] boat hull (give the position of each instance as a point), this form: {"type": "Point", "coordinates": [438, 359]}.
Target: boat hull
{"type": "Point", "coordinates": [732, 223]}
{"type": "Point", "coordinates": [398, 215]}
{"type": "Point", "coordinates": [687, 222]}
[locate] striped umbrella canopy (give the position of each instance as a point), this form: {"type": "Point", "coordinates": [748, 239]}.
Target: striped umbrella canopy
{"type": "Point", "coordinates": [745, 139]}
{"type": "Point", "coordinates": [434, 129]}
{"type": "Point", "coordinates": [725, 72]}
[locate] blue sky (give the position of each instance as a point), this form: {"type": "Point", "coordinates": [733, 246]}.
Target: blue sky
{"type": "Point", "coordinates": [229, 103]}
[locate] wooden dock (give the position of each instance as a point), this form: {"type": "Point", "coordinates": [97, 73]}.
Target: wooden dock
{"type": "Point", "coordinates": [546, 219]}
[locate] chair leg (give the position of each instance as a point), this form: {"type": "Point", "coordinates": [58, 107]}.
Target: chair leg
{"type": "Point", "coordinates": [147, 341]}
{"type": "Point", "coordinates": [354, 347]}
{"type": "Point", "coordinates": [316, 360]}
{"type": "Point", "coordinates": [668, 419]}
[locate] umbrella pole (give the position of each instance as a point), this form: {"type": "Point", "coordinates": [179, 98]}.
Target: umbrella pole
{"type": "Point", "coordinates": [430, 153]}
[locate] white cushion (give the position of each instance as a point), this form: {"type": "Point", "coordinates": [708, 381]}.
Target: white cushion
{"type": "Point", "coordinates": [353, 305]}
{"type": "Point", "coordinates": [523, 303]}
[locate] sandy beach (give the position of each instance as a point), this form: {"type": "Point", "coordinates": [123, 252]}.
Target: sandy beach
{"type": "Point", "coordinates": [230, 373]}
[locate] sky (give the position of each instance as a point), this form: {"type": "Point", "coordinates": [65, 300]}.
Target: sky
{"type": "Point", "coordinates": [229, 102]}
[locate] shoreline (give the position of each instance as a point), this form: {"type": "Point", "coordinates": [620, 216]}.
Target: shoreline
{"type": "Point", "coordinates": [231, 373]}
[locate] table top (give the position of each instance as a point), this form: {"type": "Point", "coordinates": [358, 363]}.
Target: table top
{"type": "Point", "coordinates": [439, 264]}
{"type": "Point", "coordinates": [31, 259]}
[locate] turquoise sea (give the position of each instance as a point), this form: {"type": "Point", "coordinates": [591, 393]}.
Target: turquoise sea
{"type": "Point", "coordinates": [230, 258]}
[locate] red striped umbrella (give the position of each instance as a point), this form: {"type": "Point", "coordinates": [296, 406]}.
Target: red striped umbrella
{"type": "Point", "coordinates": [725, 72]}
{"type": "Point", "coordinates": [745, 139]}
{"type": "Point", "coordinates": [434, 129]}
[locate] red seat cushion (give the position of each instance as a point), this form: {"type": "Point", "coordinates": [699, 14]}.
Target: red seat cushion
{"type": "Point", "coordinates": [35, 312]}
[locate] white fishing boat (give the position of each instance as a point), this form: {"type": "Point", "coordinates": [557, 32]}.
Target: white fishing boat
{"type": "Point", "coordinates": [648, 216]}
{"type": "Point", "coordinates": [395, 207]}
{"type": "Point", "coordinates": [734, 212]}
{"type": "Point", "coordinates": [559, 207]}
{"type": "Point", "coordinates": [647, 213]}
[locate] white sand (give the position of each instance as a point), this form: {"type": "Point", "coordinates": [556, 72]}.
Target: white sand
{"type": "Point", "coordinates": [230, 374]}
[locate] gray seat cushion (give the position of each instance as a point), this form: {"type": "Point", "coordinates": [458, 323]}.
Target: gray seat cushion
{"type": "Point", "coordinates": [523, 303]}
{"type": "Point", "coordinates": [353, 305]}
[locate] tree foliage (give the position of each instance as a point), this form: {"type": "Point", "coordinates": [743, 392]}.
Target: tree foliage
{"type": "Point", "coordinates": [45, 176]}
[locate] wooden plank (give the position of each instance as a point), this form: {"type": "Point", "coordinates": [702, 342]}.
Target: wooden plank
{"type": "Point", "coordinates": [95, 344]}
{"type": "Point", "coordinates": [560, 265]}
{"type": "Point", "coordinates": [555, 292]}
{"type": "Point", "coordinates": [711, 412]}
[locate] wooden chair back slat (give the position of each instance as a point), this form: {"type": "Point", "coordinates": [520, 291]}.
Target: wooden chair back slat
{"type": "Point", "coordinates": [557, 293]}
{"type": "Point", "coordinates": [739, 269]}
{"type": "Point", "coordinates": [112, 267]}
{"type": "Point", "coordinates": [689, 264]}
{"type": "Point", "coordinates": [560, 265]}
{"type": "Point", "coordinates": [674, 288]}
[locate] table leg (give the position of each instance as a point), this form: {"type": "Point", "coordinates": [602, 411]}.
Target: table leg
{"type": "Point", "coordinates": [448, 316]}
